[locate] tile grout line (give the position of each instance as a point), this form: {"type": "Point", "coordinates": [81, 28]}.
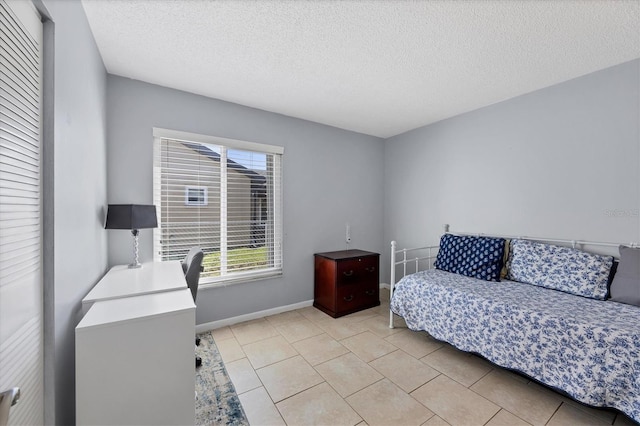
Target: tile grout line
{"type": "Point", "coordinates": [492, 417]}
{"type": "Point", "coordinates": [554, 413]}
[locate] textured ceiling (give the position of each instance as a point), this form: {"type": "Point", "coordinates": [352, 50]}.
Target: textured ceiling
{"type": "Point", "coordinates": [375, 67]}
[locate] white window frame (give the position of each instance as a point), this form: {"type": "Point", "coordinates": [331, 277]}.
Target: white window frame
{"type": "Point", "coordinates": [197, 203]}
{"type": "Point", "coordinates": [225, 143]}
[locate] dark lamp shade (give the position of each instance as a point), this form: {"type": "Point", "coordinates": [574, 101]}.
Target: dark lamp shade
{"type": "Point", "coordinates": [131, 216]}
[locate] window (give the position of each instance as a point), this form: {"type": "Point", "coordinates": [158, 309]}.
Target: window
{"type": "Point", "coordinates": [195, 195]}
{"type": "Point", "coordinates": [222, 195]}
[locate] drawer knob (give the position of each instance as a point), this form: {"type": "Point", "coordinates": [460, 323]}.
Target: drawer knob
{"type": "Point", "coordinates": [348, 298]}
{"type": "Point", "coordinates": [370, 292]}
{"type": "Point", "coordinates": [348, 273]}
{"type": "Point", "coordinates": [370, 269]}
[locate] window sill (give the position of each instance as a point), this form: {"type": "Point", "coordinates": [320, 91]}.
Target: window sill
{"type": "Point", "coordinates": [238, 279]}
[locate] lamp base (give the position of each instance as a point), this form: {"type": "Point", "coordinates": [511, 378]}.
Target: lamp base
{"type": "Point", "coordinates": [135, 264]}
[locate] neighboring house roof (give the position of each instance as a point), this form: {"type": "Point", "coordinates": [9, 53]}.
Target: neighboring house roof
{"type": "Point", "coordinates": [258, 181]}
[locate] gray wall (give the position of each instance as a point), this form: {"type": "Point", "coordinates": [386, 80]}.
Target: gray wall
{"type": "Point", "coordinates": [79, 246]}
{"type": "Point", "coordinates": [559, 162]}
{"type": "Point", "coordinates": [330, 177]}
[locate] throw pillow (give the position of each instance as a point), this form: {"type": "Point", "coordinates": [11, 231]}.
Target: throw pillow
{"type": "Point", "coordinates": [625, 287]}
{"type": "Point", "coordinates": [560, 268]}
{"type": "Point", "coordinates": [476, 257]}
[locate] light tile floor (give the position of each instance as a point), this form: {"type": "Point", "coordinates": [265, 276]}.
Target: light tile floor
{"type": "Point", "coordinates": [304, 367]}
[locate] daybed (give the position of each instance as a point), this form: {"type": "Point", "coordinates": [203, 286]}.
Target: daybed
{"type": "Point", "coordinates": [550, 318]}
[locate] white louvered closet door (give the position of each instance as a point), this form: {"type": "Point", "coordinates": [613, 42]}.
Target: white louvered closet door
{"type": "Point", "coordinates": [21, 341]}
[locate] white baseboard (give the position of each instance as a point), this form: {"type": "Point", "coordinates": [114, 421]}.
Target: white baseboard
{"type": "Point", "coordinates": [201, 328]}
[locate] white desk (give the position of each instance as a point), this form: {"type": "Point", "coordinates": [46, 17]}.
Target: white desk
{"type": "Point", "coordinates": [120, 281]}
{"type": "Point", "coordinates": [134, 348]}
{"type": "Point", "coordinates": [135, 361]}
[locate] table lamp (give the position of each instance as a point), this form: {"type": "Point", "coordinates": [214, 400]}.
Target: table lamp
{"type": "Point", "coordinates": [133, 217]}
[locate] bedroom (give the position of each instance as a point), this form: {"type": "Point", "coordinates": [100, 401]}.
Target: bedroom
{"type": "Point", "coordinates": [561, 161]}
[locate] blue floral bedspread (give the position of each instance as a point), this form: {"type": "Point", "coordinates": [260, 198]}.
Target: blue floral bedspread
{"type": "Point", "coordinates": [588, 348]}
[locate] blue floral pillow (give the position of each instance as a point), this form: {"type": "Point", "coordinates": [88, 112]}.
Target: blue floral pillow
{"type": "Point", "coordinates": [477, 257]}
{"type": "Point", "coordinates": [560, 268]}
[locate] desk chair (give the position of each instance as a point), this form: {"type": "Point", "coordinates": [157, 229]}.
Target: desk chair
{"type": "Point", "coordinates": [192, 266]}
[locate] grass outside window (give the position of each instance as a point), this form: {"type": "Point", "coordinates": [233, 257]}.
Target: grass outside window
{"type": "Point", "coordinates": [245, 258]}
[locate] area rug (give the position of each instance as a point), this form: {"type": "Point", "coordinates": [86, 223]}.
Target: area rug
{"type": "Point", "coordinates": [217, 402]}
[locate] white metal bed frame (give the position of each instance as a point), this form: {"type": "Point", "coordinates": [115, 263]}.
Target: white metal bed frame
{"type": "Point", "coordinates": [430, 255]}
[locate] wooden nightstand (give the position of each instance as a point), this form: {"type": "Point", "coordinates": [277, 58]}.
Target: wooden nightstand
{"type": "Point", "coordinates": [346, 281]}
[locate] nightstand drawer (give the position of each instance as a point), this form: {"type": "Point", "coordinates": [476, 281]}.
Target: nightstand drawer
{"type": "Point", "coordinates": [348, 297]}
{"type": "Point", "coordinates": [356, 296]}
{"type": "Point", "coordinates": [357, 270]}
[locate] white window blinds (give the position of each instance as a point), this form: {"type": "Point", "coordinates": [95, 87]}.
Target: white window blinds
{"type": "Point", "coordinates": [21, 340]}
{"type": "Point", "coordinates": [223, 196]}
